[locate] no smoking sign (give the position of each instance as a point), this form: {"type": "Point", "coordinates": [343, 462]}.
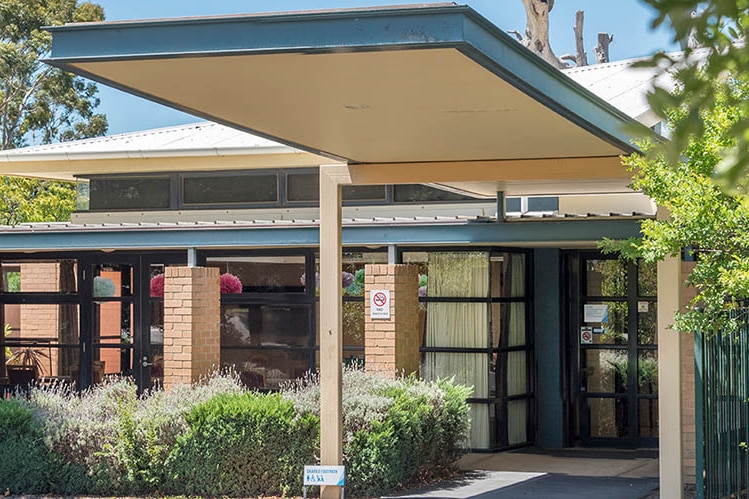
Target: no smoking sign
{"type": "Point", "coordinates": [379, 304]}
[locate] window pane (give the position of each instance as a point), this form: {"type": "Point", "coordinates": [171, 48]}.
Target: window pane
{"type": "Point", "coordinates": [470, 369]}
{"type": "Point", "coordinates": [607, 322]}
{"type": "Point", "coordinates": [508, 275]}
{"type": "Point", "coordinates": [265, 368]}
{"type": "Point", "coordinates": [42, 276]}
{"type": "Point", "coordinates": [113, 339]}
{"type": "Point", "coordinates": [648, 417]}
{"type": "Point", "coordinates": [647, 283]}
{"type": "Point", "coordinates": [265, 325]}
{"type": "Point", "coordinates": [363, 193]}
{"type": "Point", "coordinates": [44, 338]}
{"type": "Point", "coordinates": [112, 281]}
{"type": "Point", "coordinates": [508, 325]}
{"type": "Point", "coordinates": [512, 373]}
{"type": "Point", "coordinates": [647, 322]}
{"type": "Point", "coordinates": [415, 193]}
{"type": "Point", "coordinates": [303, 187]}
{"type": "Point", "coordinates": [647, 371]}
{"type": "Point", "coordinates": [457, 325]}
{"type": "Point", "coordinates": [606, 278]}
{"type": "Point", "coordinates": [604, 371]}
{"type": "Point", "coordinates": [230, 189]}
{"type": "Point", "coordinates": [457, 274]}
{"type": "Point", "coordinates": [264, 274]}
{"type": "Point", "coordinates": [129, 193]}
{"type": "Point", "coordinates": [608, 417]}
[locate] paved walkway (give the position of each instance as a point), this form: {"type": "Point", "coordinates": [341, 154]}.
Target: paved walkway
{"type": "Point", "coordinates": [530, 474]}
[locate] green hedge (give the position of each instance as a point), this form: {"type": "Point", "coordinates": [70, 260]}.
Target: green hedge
{"type": "Point", "coordinates": [217, 439]}
{"type": "Point", "coordinates": [242, 445]}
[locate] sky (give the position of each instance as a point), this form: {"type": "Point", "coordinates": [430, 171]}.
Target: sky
{"type": "Point", "coordinates": [628, 20]}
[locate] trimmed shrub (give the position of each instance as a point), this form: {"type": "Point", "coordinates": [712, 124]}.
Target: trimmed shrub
{"type": "Point", "coordinates": [242, 445]}
{"type": "Point", "coordinates": [217, 439]}
{"type": "Point", "coordinates": [396, 432]}
{"type": "Point", "coordinates": [26, 464]}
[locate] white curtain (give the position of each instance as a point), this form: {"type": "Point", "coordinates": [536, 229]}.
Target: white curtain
{"type": "Point", "coordinates": [460, 325]}
{"type": "Point", "coordinates": [517, 384]}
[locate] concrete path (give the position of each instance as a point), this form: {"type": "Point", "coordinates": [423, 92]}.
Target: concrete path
{"type": "Point", "coordinates": [530, 474]}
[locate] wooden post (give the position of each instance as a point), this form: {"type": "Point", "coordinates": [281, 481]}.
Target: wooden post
{"type": "Point", "coordinates": [669, 376]}
{"type": "Point", "coordinates": [331, 337]}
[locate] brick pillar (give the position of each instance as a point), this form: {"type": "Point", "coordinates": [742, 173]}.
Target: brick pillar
{"type": "Point", "coordinates": [689, 442]}
{"type": "Point", "coordinates": [192, 311]}
{"type": "Point", "coordinates": [391, 346]}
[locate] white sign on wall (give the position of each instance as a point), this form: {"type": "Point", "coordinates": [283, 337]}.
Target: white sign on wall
{"type": "Point", "coordinates": [379, 304]}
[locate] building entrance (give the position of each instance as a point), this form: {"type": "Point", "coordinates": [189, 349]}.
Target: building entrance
{"type": "Point", "coordinates": [612, 333]}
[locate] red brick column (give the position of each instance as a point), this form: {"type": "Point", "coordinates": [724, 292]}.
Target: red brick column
{"type": "Point", "coordinates": [192, 311]}
{"type": "Point", "coordinates": [689, 444]}
{"type": "Point", "coordinates": [391, 346]}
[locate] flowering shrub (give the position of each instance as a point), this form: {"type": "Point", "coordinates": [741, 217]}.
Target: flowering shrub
{"type": "Point", "coordinates": [228, 283]}
{"type": "Point", "coordinates": [157, 285]}
{"type": "Point", "coordinates": [217, 439]}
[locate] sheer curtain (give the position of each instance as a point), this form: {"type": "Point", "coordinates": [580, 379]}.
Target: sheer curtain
{"type": "Point", "coordinates": [460, 325]}
{"type": "Point", "coordinates": [516, 361]}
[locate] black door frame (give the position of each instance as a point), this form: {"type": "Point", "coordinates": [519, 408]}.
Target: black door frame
{"type": "Point", "coordinates": [577, 422]}
{"type": "Point", "coordinates": [140, 299]}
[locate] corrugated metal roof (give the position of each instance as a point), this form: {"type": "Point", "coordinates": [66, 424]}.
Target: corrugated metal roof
{"type": "Point", "coordinates": [197, 139]}
{"type": "Point", "coordinates": [622, 85]}
{"type": "Point", "coordinates": [237, 224]}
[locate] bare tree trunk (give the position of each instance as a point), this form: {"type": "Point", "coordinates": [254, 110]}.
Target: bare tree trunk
{"type": "Point", "coordinates": [690, 40]}
{"type": "Point", "coordinates": [581, 58]}
{"type": "Point", "coordinates": [602, 49]}
{"type": "Point", "coordinates": [537, 30]}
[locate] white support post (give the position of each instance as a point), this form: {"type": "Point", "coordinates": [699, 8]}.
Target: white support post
{"type": "Point", "coordinates": [331, 337]}
{"type": "Point", "coordinates": [669, 377]}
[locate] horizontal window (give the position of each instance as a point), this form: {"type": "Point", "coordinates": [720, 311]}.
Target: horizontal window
{"type": "Point", "coordinates": [414, 193]}
{"type": "Point", "coordinates": [129, 193]}
{"type": "Point", "coordinates": [233, 189]}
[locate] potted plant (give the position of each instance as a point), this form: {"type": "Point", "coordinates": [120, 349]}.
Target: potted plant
{"type": "Point", "coordinates": [27, 358]}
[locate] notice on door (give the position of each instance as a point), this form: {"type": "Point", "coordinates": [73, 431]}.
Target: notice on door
{"type": "Point", "coordinates": [586, 335]}
{"type": "Point", "coordinates": [596, 313]}
{"type": "Point", "coordinates": [379, 304]}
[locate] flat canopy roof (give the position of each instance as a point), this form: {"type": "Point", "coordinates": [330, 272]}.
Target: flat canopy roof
{"type": "Point", "coordinates": [434, 83]}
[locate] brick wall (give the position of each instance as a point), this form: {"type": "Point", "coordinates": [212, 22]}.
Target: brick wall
{"type": "Point", "coordinates": [391, 346]}
{"type": "Point", "coordinates": [41, 321]}
{"type": "Point", "coordinates": [192, 305]}
{"type": "Point", "coordinates": [687, 388]}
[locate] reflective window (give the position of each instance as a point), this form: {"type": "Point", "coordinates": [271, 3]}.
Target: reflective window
{"type": "Point", "coordinates": [129, 193]}
{"type": "Point", "coordinates": [230, 189]}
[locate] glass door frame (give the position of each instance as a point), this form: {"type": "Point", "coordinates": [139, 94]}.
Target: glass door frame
{"type": "Point", "coordinates": [578, 421]}
{"type": "Point", "coordinates": [140, 298]}
{"type": "Point", "coordinates": [495, 400]}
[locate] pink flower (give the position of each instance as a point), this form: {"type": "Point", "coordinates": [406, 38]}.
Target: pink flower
{"type": "Point", "coordinates": [157, 285]}
{"type": "Point", "coordinates": [230, 284]}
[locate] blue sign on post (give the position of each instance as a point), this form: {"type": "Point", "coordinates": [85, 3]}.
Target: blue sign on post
{"type": "Point", "coordinates": [324, 475]}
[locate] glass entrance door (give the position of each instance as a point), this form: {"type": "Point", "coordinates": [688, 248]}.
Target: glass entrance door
{"type": "Point", "coordinates": [122, 317]}
{"type": "Point", "coordinates": [615, 366]}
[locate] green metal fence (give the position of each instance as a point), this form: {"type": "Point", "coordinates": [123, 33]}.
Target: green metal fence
{"type": "Point", "coordinates": [722, 383]}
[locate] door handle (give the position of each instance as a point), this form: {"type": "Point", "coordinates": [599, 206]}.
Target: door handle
{"type": "Point", "coordinates": [145, 362]}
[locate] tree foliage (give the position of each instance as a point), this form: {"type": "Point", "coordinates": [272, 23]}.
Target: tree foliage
{"type": "Point", "coordinates": [717, 31]}
{"type": "Point", "coordinates": [712, 224]}
{"type": "Point", "coordinates": [41, 104]}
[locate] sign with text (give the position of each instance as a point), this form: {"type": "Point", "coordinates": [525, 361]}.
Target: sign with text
{"type": "Point", "coordinates": [325, 475]}
{"type": "Point", "coordinates": [598, 312]}
{"type": "Point", "coordinates": [379, 304]}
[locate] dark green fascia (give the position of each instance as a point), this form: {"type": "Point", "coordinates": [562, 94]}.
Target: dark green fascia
{"type": "Point", "coordinates": [489, 233]}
